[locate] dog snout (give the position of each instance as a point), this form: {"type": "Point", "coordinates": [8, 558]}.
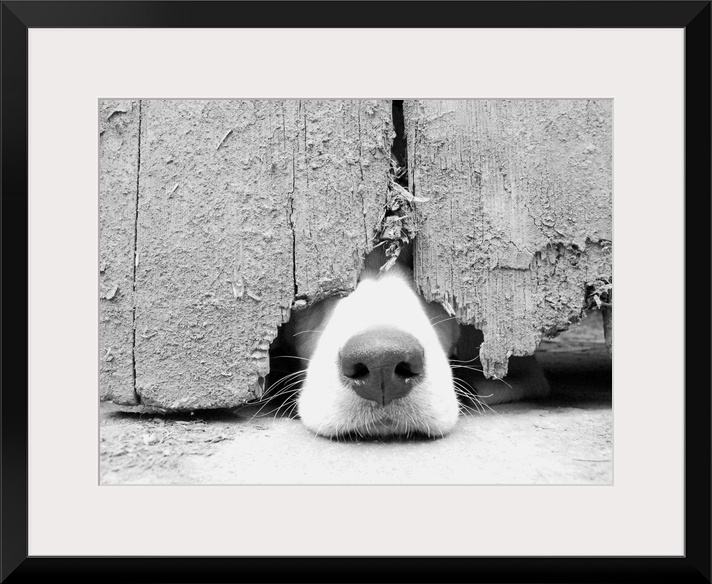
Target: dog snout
{"type": "Point", "coordinates": [382, 364]}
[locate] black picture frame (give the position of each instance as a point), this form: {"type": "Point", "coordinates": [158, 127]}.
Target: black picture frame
{"type": "Point", "coordinates": [19, 16]}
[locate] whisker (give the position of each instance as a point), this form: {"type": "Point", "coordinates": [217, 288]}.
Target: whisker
{"type": "Point", "coordinates": [476, 407]}
{"type": "Point", "coordinates": [485, 405]}
{"type": "Point", "coordinates": [288, 387]}
{"type": "Point", "coordinates": [464, 391]}
{"type": "Point", "coordinates": [472, 396]}
{"type": "Point", "coordinates": [288, 404]}
{"type": "Point", "coordinates": [256, 414]}
{"type": "Point", "coordinates": [467, 367]}
{"type": "Point", "coordinates": [287, 379]}
{"type": "Point", "coordinates": [480, 371]}
{"type": "Point", "coordinates": [465, 409]}
{"type": "Point", "coordinates": [465, 360]}
{"type": "Point", "coordinates": [292, 411]}
{"type": "Point", "coordinates": [503, 381]}
{"type": "Point", "coordinates": [291, 381]}
{"type": "Point", "coordinates": [471, 404]}
{"type": "Point", "coordinates": [462, 383]}
{"type": "Point", "coordinates": [302, 332]}
{"type": "Point", "coordinates": [276, 412]}
{"type": "Point", "coordinates": [441, 321]}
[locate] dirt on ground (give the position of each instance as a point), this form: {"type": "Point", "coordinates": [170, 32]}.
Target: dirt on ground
{"type": "Point", "coordinates": [565, 439]}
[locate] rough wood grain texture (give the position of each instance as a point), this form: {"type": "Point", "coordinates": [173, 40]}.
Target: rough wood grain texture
{"type": "Point", "coordinates": [342, 159]}
{"type": "Point", "coordinates": [243, 206]}
{"type": "Point", "coordinates": [519, 216]}
{"type": "Point", "coordinates": [118, 171]}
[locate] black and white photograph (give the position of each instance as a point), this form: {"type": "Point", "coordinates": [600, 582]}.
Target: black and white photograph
{"type": "Point", "coordinates": [365, 291]}
{"type": "Point", "coordinates": [324, 291]}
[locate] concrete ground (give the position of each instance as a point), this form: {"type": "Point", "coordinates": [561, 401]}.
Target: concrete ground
{"type": "Point", "coordinates": [565, 439]}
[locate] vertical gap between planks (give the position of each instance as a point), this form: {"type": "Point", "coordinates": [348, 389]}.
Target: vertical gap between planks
{"type": "Point", "coordinates": [137, 396]}
{"type": "Point", "coordinates": [295, 150]}
{"type": "Point", "coordinates": [399, 148]}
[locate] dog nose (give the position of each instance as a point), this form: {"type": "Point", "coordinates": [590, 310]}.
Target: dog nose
{"type": "Point", "coordinates": [382, 364]}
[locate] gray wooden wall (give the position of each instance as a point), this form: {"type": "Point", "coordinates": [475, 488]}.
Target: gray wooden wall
{"type": "Point", "coordinates": [217, 218]}
{"type": "Point", "coordinates": [519, 216]}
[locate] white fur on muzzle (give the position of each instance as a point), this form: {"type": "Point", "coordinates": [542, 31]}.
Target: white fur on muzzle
{"type": "Point", "coordinates": [379, 366]}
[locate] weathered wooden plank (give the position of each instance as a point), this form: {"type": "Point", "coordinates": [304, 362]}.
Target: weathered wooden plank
{"type": "Point", "coordinates": [342, 161]}
{"type": "Point", "coordinates": [118, 171]}
{"type": "Point", "coordinates": [243, 206]}
{"type": "Point", "coordinates": [214, 274]}
{"type": "Point", "coordinates": [519, 217]}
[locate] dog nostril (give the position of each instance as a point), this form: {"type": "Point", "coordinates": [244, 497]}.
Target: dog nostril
{"type": "Point", "coordinates": [405, 370]}
{"type": "Point", "coordinates": [356, 371]}
{"type": "Point", "coordinates": [381, 364]}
